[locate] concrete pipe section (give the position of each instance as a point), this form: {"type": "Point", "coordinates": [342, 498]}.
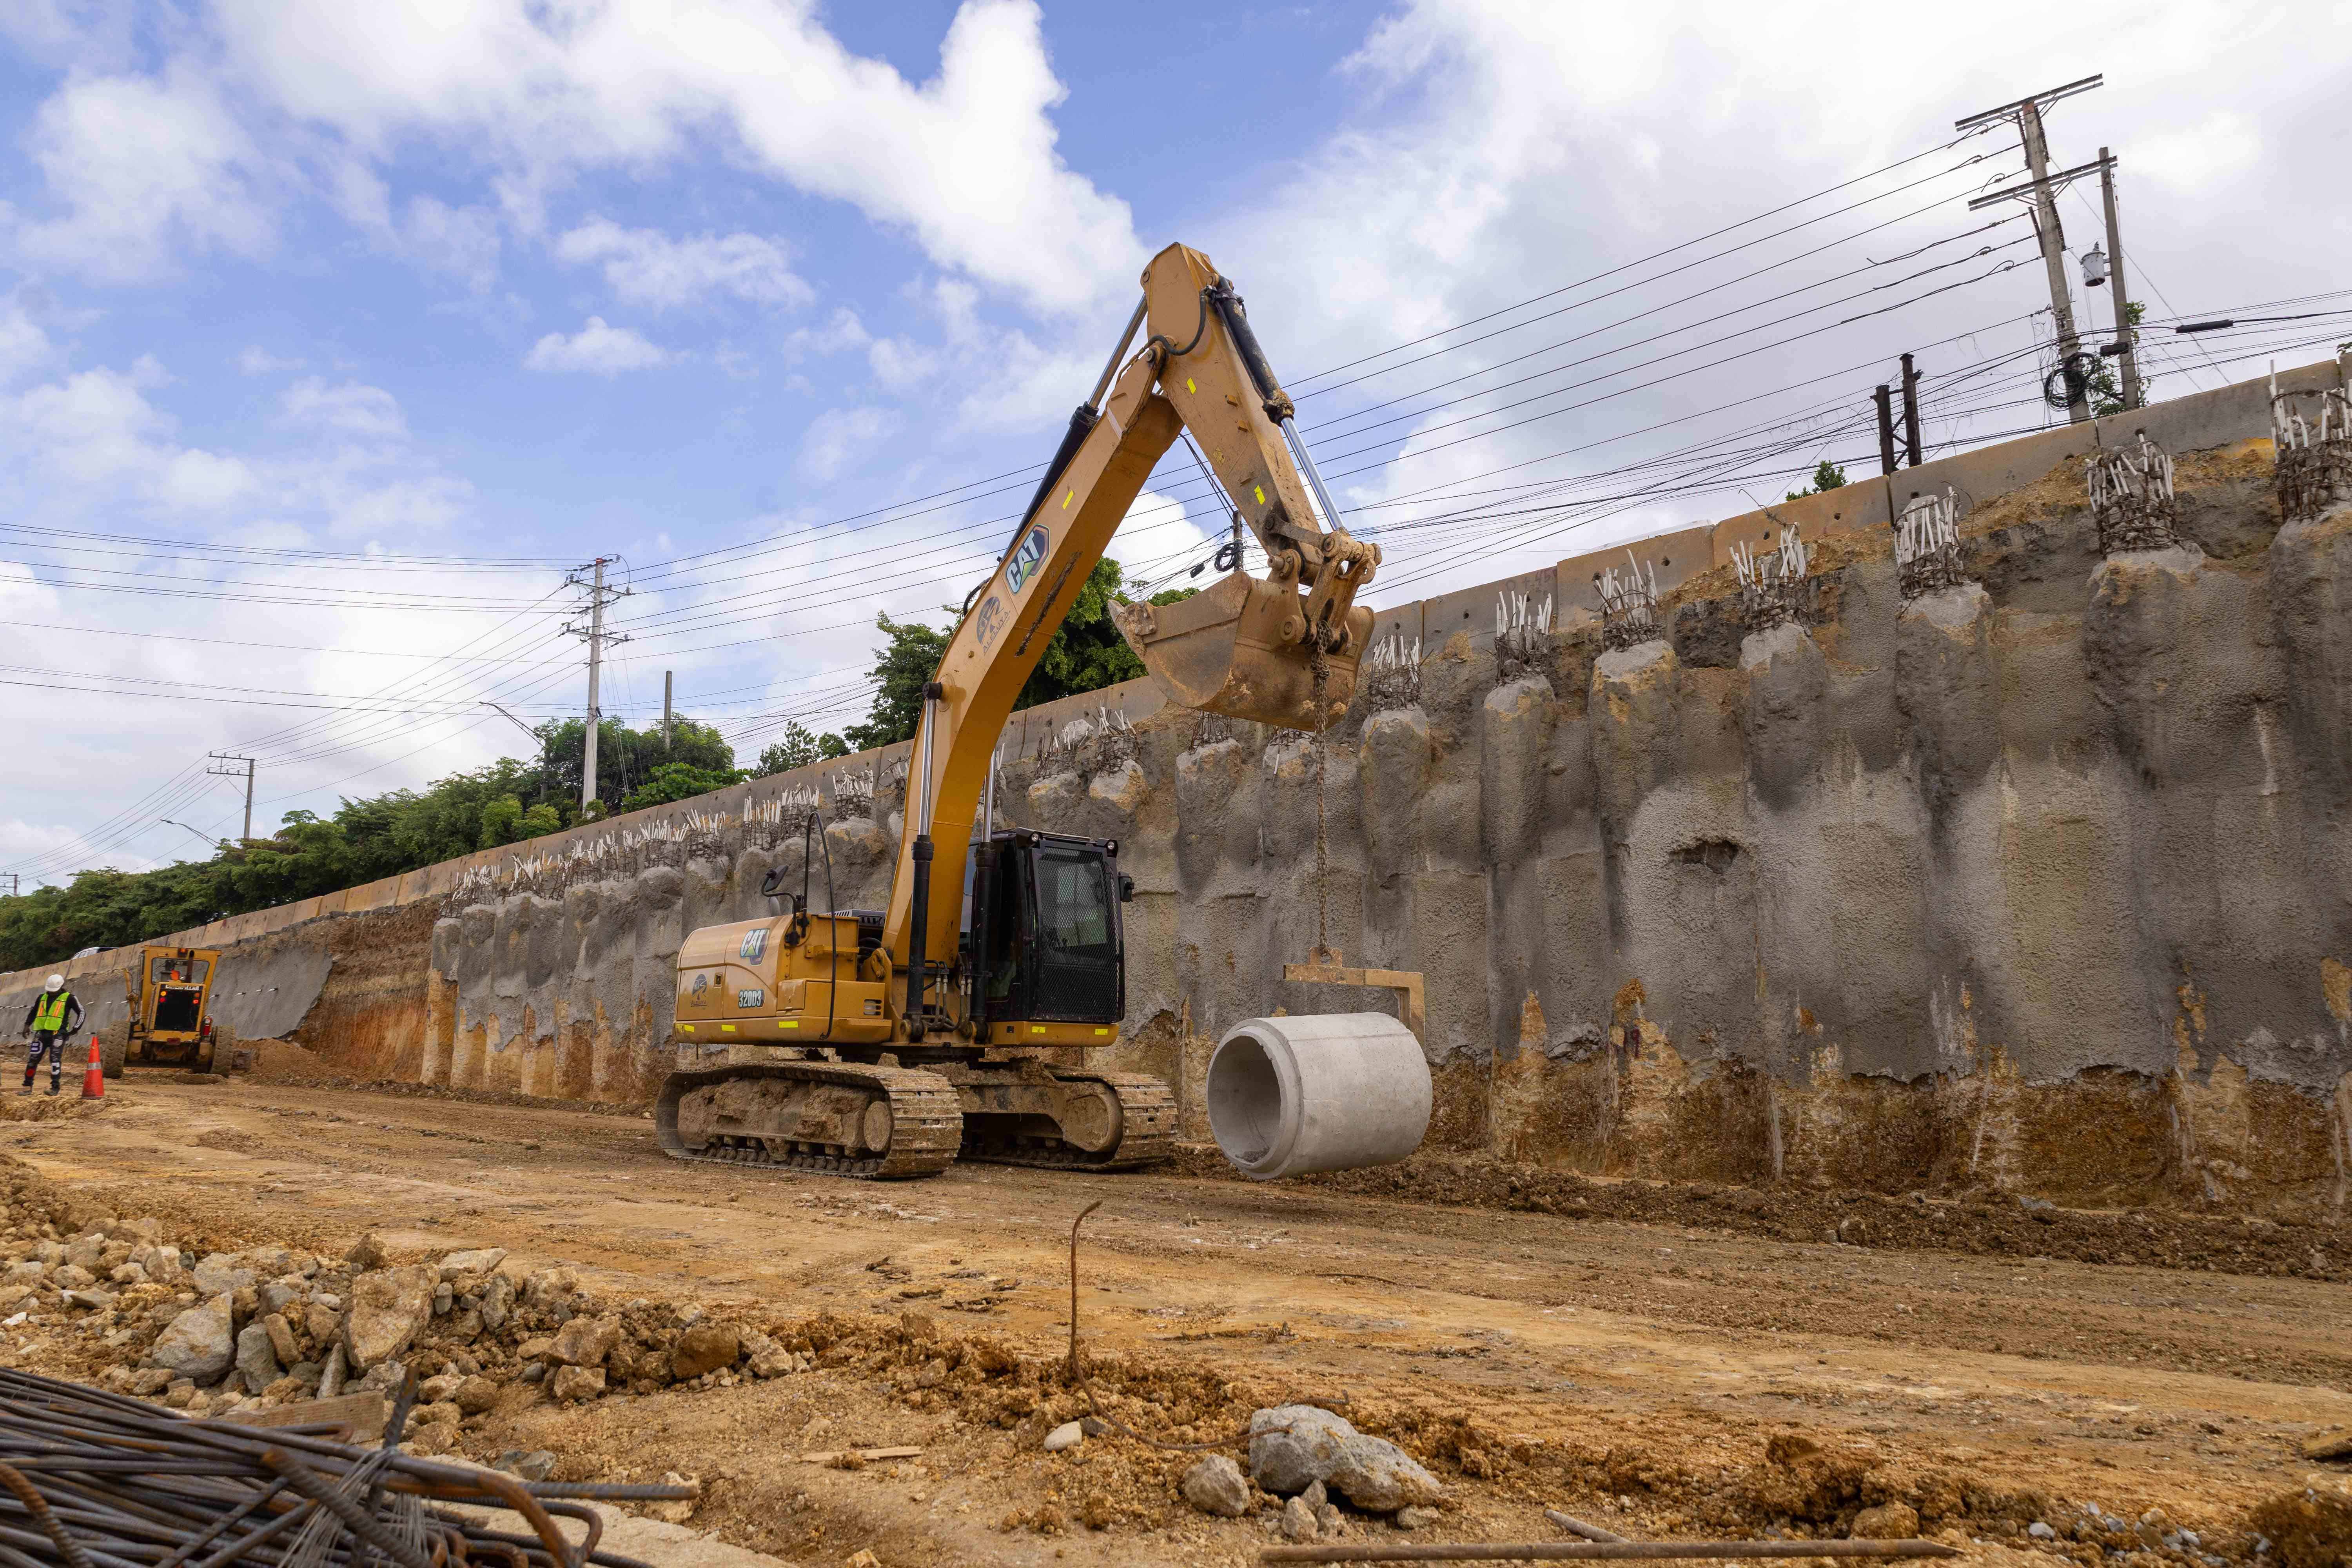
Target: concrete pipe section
{"type": "Point", "coordinates": [1330, 1092]}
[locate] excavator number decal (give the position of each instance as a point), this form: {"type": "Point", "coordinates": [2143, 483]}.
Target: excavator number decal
{"type": "Point", "coordinates": [1025, 562]}
{"type": "Point", "coordinates": [751, 996]}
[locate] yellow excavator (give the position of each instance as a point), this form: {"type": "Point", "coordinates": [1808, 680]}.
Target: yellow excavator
{"type": "Point", "coordinates": [956, 1022]}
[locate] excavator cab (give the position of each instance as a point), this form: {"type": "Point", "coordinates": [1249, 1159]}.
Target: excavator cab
{"type": "Point", "coordinates": [1045, 957]}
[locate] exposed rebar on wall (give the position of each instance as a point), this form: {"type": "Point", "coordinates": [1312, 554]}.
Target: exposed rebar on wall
{"type": "Point", "coordinates": [2314, 466]}
{"type": "Point", "coordinates": [1390, 677]}
{"type": "Point", "coordinates": [1522, 627]}
{"type": "Point", "coordinates": [2131, 498]}
{"type": "Point", "coordinates": [1927, 545]}
{"type": "Point", "coordinates": [1773, 588]}
{"type": "Point", "coordinates": [1628, 605]}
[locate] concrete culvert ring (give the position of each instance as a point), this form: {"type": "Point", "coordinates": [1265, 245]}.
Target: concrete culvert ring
{"type": "Point", "coordinates": [1334, 1093]}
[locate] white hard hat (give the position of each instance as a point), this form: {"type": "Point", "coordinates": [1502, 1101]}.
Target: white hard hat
{"type": "Point", "coordinates": [56, 983]}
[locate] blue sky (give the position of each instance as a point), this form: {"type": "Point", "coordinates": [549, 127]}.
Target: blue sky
{"type": "Point", "coordinates": [342, 331]}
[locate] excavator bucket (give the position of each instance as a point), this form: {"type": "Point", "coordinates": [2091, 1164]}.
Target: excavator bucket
{"type": "Point", "coordinates": [1223, 651]}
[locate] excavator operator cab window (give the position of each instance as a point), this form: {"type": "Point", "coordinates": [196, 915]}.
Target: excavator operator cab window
{"type": "Point", "coordinates": [1055, 949]}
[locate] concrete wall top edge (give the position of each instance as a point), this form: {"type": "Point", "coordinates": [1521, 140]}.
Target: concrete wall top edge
{"type": "Point", "coordinates": [2195, 421]}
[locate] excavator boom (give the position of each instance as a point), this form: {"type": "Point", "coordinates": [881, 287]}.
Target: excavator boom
{"type": "Point", "coordinates": [1247, 648]}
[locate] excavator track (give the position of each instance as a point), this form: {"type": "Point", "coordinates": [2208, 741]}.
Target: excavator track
{"type": "Point", "coordinates": [926, 1123]}
{"type": "Point", "coordinates": [1147, 1130]}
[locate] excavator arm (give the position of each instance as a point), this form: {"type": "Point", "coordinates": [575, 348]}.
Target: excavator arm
{"type": "Point", "coordinates": [1279, 650]}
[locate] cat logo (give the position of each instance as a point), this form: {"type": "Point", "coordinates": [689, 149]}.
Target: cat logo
{"type": "Point", "coordinates": [701, 984]}
{"type": "Point", "coordinates": [755, 942]}
{"type": "Point", "coordinates": [984, 624]}
{"type": "Point", "coordinates": [752, 997]}
{"type": "Point", "coordinates": [1030, 556]}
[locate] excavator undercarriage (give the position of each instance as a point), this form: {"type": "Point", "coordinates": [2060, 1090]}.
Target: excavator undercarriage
{"type": "Point", "coordinates": [889, 1043]}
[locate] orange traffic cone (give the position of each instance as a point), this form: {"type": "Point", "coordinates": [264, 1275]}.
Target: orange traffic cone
{"type": "Point", "coordinates": [93, 1082]}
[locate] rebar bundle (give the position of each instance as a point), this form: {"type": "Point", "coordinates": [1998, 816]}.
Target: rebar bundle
{"type": "Point", "coordinates": [1927, 545]}
{"type": "Point", "coordinates": [1629, 607]}
{"type": "Point", "coordinates": [90, 1479]}
{"type": "Point", "coordinates": [2314, 460]}
{"type": "Point", "coordinates": [2132, 500]}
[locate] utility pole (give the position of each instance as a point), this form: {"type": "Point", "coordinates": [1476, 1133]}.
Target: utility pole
{"type": "Point", "coordinates": [1886, 428]}
{"type": "Point", "coordinates": [2053, 254]}
{"type": "Point", "coordinates": [596, 637]}
{"type": "Point", "coordinates": [667, 689]}
{"type": "Point", "coordinates": [2027, 113]}
{"type": "Point", "coordinates": [16, 883]}
{"type": "Point", "coordinates": [230, 773]}
{"type": "Point", "coordinates": [2125, 349]}
{"type": "Point", "coordinates": [1911, 410]}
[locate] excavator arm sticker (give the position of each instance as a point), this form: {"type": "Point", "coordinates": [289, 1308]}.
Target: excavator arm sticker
{"type": "Point", "coordinates": [1025, 562]}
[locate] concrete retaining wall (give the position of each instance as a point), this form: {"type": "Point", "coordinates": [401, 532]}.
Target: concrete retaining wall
{"type": "Point", "coordinates": [2035, 882]}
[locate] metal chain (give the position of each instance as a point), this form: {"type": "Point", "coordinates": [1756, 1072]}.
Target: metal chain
{"type": "Point", "coordinates": [1322, 668]}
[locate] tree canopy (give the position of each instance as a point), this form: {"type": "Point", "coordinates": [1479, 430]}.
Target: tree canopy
{"type": "Point", "coordinates": [515, 799]}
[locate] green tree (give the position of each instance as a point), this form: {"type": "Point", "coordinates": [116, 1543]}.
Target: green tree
{"type": "Point", "coordinates": [1827, 476]}
{"type": "Point", "coordinates": [625, 758]}
{"type": "Point", "coordinates": [909, 656]}
{"type": "Point", "coordinates": [1085, 654]}
{"type": "Point", "coordinates": [679, 780]}
{"type": "Point", "coordinates": [798, 749]}
{"type": "Point", "coordinates": [501, 821]}
{"type": "Point", "coordinates": [539, 820]}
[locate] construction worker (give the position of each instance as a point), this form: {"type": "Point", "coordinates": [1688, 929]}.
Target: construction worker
{"type": "Point", "coordinates": [50, 1023]}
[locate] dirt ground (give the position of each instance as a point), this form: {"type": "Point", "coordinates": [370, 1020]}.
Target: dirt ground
{"type": "Point", "coordinates": [1666, 1362]}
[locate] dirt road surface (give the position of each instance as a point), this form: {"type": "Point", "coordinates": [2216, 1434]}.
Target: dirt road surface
{"type": "Point", "coordinates": [1635, 1374]}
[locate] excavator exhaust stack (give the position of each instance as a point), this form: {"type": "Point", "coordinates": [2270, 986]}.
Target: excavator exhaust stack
{"type": "Point", "coordinates": [1234, 648]}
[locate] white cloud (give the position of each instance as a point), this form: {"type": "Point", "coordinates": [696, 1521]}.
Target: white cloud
{"type": "Point", "coordinates": [351, 409]}
{"type": "Point", "coordinates": [598, 350]}
{"type": "Point", "coordinates": [2199, 157]}
{"type": "Point", "coordinates": [255, 360]}
{"type": "Point", "coordinates": [645, 266]}
{"type": "Point", "coordinates": [24, 346]}
{"type": "Point", "coordinates": [97, 431]}
{"type": "Point", "coordinates": [966, 162]}
{"type": "Point", "coordinates": [842, 329]}
{"type": "Point", "coordinates": [460, 241]}
{"type": "Point", "coordinates": [149, 169]}
{"type": "Point", "coordinates": [839, 437]}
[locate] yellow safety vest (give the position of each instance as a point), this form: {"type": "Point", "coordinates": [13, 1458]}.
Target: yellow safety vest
{"type": "Point", "coordinates": [51, 1015]}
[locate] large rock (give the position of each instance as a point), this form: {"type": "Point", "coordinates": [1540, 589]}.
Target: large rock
{"type": "Point", "coordinates": [480, 1260]}
{"type": "Point", "coordinates": [497, 1301]}
{"type": "Point", "coordinates": [475, 1394]}
{"type": "Point", "coordinates": [85, 1252]}
{"type": "Point", "coordinates": [257, 1359]}
{"type": "Point", "coordinates": [570, 1382]}
{"type": "Point", "coordinates": [282, 1340]}
{"type": "Point", "coordinates": [162, 1263]}
{"type": "Point", "coordinates": [1293, 1446]}
{"type": "Point", "coordinates": [550, 1288]}
{"type": "Point", "coordinates": [1887, 1522]}
{"type": "Point", "coordinates": [706, 1347]}
{"type": "Point", "coordinates": [1215, 1485]}
{"type": "Point", "coordinates": [221, 1272]}
{"type": "Point", "coordinates": [198, 1344]}
{"type": "Point", "coordinates": [28, 1272]}
{"type": "Point", "coordinates": [586, 1342]}
{"type": "Point", "coordinates": [388, 1310]}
